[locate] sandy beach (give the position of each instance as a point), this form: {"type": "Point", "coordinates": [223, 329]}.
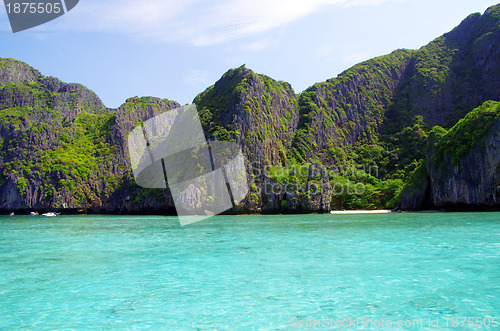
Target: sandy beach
{"type": "Point", "coordinates": [352, 212]}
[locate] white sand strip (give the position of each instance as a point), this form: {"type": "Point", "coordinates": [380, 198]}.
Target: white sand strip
{"type": "Point", "coordinates": [352, 212]}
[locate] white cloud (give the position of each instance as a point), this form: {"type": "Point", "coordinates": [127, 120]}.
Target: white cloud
{"type": "Point", "coordinates": [258, 45]}
{"type": "Point", "coordinates": [196, 22]}
{"type": "Point", "coordinates": [368, 2]}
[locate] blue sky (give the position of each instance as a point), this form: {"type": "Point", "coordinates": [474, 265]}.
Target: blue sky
{"type": "Point", "coordinates": [175, 49]}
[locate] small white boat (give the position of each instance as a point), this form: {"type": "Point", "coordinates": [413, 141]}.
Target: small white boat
{"type": "Point", "coordinates": [51, 214]}
{"type": "Point", "coordinates": [34, 213]}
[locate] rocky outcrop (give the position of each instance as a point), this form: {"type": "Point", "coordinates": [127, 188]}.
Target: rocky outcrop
{"type": "Point", "coordinates": [261, 115]}
{"type": "Point", "coordinates": [474, 182]}
{"type": "Point", "coordinates": [17, 72]}
{"type": "Point", "coordinates": [61, 149]}
{"type": "Point", "coordinates": [293, 197]}
{"type": "Point", "coordinates": [462, 170]}
{"type": "Point", "coordinates": [441, 82]}
{"type": "Point", "coordinates": [350, 108]}
{"type": "Point", "coordinates": [416, 195]}
{"type": "Point", "coordinates": [256, 111]}
{"type": "Point", "coordinates": [453, 74]}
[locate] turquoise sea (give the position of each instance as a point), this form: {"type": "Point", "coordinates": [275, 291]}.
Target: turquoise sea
{"type": "Point", "coordinates": [251, 272]}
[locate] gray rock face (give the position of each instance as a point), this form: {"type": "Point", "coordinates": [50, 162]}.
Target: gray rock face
{"type": "Point", "coordinates": [412, 199]}
{"type": "Point", "coordinates": [351, 107]}
{"type": "Point", "coordinates": [475, 181]}
{"type": "Point", "coordinates": [263, 114]}
{"type": "Point", "coordinates": [442, 82]}
{"type": "Point", "coordinates": [17, 72]}
{"type": "Point", "coordinates": [63, 150]}
{"type": "Point", "coordinates": [416, 194]}
{"type": "Point", "coordinates": [460, 177]}
{"type": "Point", "coordinates": [314, 195]}
{"type": "Point", "coordinates": [454, 73]}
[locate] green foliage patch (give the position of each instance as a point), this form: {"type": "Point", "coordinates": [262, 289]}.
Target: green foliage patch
{"type": "Point", "coordinates": [466, 134]}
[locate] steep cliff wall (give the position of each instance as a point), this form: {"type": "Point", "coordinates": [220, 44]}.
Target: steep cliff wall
{"type": "Point", "coordinates": [349, 108]}
{"type": "Point", "coordinates": [451, 75]}
{"type": "Point", "coordinates": [462, 170]}
{"type": "Point", "coordinates": [261, 115]}
{"type": "Point", "coordinates": [464, 166]}
{"type": "Point", "coordinates": [374, 102]}
{"type": "Point", "coordinates": [62, 149]}
{"type": "Point", "coordinates": [257, 112]}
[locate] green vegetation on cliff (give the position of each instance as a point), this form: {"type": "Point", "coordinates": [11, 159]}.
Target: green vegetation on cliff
{"type": "Point", "coordinates": [214, 101]}
{"type": "Point", "coordinates": [466, 134]}
{"type": "Point", "coordinates": [447, 149]}
{"type": "Point", "coordinates": [348, 109]}
{"type": "Point", "coordinates": [372, 126]}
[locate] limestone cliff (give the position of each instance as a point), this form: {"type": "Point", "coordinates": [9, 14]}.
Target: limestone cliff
{"type": "Point", "coordinates": [462, 170]}
{"type": "Point", "coordinates": [62, 149]}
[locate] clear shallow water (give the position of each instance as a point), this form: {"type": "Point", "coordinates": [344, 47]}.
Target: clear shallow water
{"type": "Point", "coordinates": [246, 272]}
